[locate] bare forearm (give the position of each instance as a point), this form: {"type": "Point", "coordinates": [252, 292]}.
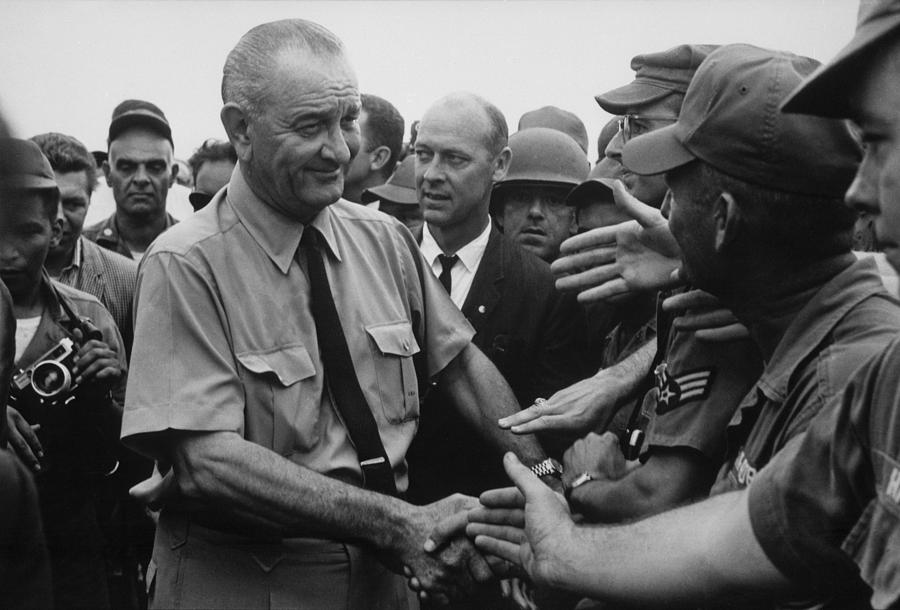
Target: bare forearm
{"type": "Point", "coordinates": [631, 372]}
{"type": "Point", "coordinates": [224, 474]}
{"type": "Point", "coordinates": [482, 397]}
{"type": "Point", "coordinates": [670, 478]}
{"type": "Point", "coordinates": [694, 554]}
{"type": "Point", "coordinates": [607, 501]}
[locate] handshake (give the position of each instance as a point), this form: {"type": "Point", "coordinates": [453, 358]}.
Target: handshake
{"type": "Point", "coordinates": [475, 541]}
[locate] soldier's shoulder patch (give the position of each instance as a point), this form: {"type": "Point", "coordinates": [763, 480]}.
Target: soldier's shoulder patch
{"type": "Point", "coordinates": [675, 390]}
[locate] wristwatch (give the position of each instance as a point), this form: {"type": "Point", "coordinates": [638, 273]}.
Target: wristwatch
{"type": "Point", "coordinates": [548, 467]}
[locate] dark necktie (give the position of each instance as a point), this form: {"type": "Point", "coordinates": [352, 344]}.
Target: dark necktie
{"type": "Point", "coordinates": [447, 263]}
{"type": "Point", "coordinates": [341, 376]}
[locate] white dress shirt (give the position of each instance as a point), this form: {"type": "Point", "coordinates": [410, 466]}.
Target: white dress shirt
{"type": "Point", "coordinates": [463, 272]}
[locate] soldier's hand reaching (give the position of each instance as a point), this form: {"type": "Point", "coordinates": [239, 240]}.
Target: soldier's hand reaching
{"type": "Point", "coordinates": [638, 255]}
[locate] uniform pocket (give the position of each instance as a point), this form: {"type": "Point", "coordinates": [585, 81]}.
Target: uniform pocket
{"type": "Point", "coordinates": [394, 347]}
{"type": "Point", "coordinates": [285, 405]}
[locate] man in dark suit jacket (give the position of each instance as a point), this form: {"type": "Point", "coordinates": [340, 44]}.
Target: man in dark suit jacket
{"type": "Point", "coordinates": [506, 293]}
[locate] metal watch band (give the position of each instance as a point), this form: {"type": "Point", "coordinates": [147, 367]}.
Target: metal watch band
{"type": "Point", "coordinates": [548, 467]}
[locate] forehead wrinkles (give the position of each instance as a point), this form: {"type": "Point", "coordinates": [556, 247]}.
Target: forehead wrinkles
{"type": "Point", "coordinates": [139, 151]}
{"type": "Point", "coordinates": [315, 85]}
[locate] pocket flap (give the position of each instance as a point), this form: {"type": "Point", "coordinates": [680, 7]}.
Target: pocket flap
{"type": "Point", "coordinates": [395, 338]}
{"type": "Point", "coordinates": [289, 363]}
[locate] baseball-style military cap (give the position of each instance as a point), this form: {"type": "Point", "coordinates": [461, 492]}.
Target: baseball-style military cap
{"type": "Point", "coordinates": [558, 119]}
{"type": "Point", "coordinates": [730, 119]}
{"type": "Point", "coordinates": [598, 186]}
{"type": "Point", "coordinates": [24, 166]}
{"type": "Point", "coordinates": [656, 76]}
{"type": "Point", "coordinates": [139, 112]}
{"type": "Point", "coordinates": [828, 90]}
{"type": "Point", "coordinates": [400, 187]}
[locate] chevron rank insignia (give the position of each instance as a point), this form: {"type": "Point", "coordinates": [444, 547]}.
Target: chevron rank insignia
{"type": "Point", "coordinates": [676, 391]}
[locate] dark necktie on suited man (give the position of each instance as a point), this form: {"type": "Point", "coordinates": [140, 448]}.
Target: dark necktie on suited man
{"type": "Point", "coordinates": [447, 263]}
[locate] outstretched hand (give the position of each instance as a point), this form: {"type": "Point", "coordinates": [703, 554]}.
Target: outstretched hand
{"type": "Point", "coordinates": [534, 537]}
{"type": "Point", "coordinates": [634, 256]}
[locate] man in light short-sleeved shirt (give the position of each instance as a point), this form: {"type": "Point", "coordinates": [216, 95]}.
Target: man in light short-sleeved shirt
{"type": "Point", "coordinates": [264, 502]}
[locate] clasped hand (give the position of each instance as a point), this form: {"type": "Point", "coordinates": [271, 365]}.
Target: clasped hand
{"type": "Point", "coordinates": [446, 566]}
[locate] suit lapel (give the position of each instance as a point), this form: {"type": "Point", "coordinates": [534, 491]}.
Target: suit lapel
{"type": "Point", "coordinates": [485, 291]}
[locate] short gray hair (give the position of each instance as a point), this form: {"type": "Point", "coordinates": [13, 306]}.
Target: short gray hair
{"type": "Point", "coordinates": [247, 75]}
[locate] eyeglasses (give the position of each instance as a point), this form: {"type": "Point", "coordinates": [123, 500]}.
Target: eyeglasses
{"type": "Point", "coordinates": [631, 126]}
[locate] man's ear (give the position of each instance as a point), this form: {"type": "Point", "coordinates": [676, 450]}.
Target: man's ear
{"type": "Point", "coordinates": [501, 164]}
{"type": "Point", "coordinates": [237, 126]}
{"type": "Point", "coordinates": [729, 221]}
{"type": "Point", "coordinates": [175, 169]}
{"type": "Point", "coordinates": [378, 158]}
{"type": "Point", "coordinates": [106, 169]}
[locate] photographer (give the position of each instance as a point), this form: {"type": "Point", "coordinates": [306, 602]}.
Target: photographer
{"type": "Point", "coordinates": [63, 415]}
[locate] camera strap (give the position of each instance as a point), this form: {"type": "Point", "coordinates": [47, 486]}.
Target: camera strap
{"type": "Point", "coordinates": [88, 332]}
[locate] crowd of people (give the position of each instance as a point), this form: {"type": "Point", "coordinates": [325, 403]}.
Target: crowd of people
{"type": "Point", "coordinates": [312, 386]}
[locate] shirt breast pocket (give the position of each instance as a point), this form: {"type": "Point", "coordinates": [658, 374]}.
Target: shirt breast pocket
{"type": "Point", "coordinates": [282, 407]}
{"type": "Point", "coordinates": [394, 346]}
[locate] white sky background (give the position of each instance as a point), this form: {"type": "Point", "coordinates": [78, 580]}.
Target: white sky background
{"type": "Point", "coordinates": [65, 65]}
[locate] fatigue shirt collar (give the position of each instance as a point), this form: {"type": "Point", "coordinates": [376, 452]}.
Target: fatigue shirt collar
{"type": "Point", "coordinates": [277, 234]}
{"type": "Point", "coordinates": [108, 233]}
{"type": "Point", "coordinates": [812, 325]}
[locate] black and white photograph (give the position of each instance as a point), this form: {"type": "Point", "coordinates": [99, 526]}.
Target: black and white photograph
{"type": "Point", "coordinates": [480, 304]}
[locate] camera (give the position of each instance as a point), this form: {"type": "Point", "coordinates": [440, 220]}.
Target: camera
{"type": "Point", "coordinates": [46, 393]}
{"type": "Point", "coordinates": [50, 377]}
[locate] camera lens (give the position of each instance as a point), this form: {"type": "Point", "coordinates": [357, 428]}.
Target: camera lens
{"type": "Point", "coordinates": [50, 379]}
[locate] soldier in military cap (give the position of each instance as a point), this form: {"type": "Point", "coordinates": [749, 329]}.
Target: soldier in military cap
{"type": "Point", "coordinates": [140, 170]}
{"type": "Point", "coordinates": [651, 101]}
{"type": "Point", "coordinates": [529, 203]}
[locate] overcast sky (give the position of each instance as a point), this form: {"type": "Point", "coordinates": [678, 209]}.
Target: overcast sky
{"type": "Point", "coordinates": [65, 65]}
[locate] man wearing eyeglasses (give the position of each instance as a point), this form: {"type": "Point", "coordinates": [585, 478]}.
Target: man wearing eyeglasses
{"type": "Point", "coordinates": [651, 101]}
